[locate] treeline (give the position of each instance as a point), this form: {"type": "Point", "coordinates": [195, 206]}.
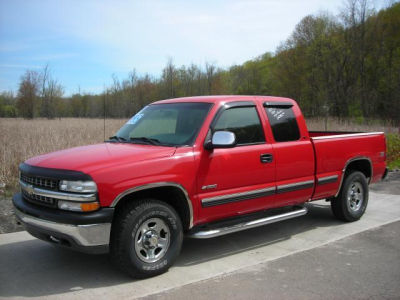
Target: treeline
{"type": "Point", "coordinates": [342, 66]}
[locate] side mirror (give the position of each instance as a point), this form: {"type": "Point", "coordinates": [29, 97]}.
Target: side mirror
{"type": "Point", "coordinates": [222, 139]}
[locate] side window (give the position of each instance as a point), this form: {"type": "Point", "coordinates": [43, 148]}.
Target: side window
{"type": "Point", "coordinates": [244, 123]}
{"type": "Point", "coordinates": [283, 123]}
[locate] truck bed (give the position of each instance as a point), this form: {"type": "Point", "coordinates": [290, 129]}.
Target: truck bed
{"type": "Point", "coordinates": [334, 150]}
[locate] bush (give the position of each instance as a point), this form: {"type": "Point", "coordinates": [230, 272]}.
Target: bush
{"type": "Point", "coordinates": [393, 151]}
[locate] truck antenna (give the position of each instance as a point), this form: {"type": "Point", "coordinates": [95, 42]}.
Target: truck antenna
{"type": "Point", "coordinates": [104, 113]}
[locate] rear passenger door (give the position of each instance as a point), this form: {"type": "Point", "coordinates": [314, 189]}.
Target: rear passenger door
{"type": "Point", "coordinates": [236, 180]}
{"type": "Point", "coordinates": [293, 153]}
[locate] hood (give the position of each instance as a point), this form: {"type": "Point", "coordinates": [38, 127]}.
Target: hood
{"type": "Point", "coordinates": [89, 158]}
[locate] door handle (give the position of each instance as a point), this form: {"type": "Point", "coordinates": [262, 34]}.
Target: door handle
{"type": "Point", "coordinates": [266, 158]}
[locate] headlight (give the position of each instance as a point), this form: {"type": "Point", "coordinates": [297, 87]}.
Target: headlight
{"type": "Point", "coordinates": [78, 186]}
{"type": "Point", "coordinates": [77, 206]}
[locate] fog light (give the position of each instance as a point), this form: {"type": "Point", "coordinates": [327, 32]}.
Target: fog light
{"type": "Point", "coordinates": [77, 206]}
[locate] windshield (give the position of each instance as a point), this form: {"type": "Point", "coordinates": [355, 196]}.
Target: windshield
{"type": "Point", "coordinates": [172, 124]}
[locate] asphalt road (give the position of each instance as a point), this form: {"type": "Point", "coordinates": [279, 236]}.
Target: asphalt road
{"type": "Point", "coordinates": [309, 257]}
{"type": "Point", "coordinates": [391, 185]}
{"type": "Point", "coordinates": [363, 266]}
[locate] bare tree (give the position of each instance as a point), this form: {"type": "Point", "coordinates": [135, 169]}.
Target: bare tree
{"type": "Point", "coordinates": [133, 78]}
{"type": "Point", "coordinates": [354, 16]}
{"type": "Point", "coordinates": [28, 93]}
{"type": "Point", "coordinates": [54, 91]}
{"type": "Point", "coordinates": [210, 74]}
{"type": "Point", "coordinates": [51, 91]}
{"type": "Point", "coordinates": [45, 100]}
{"type": "Point", "coordinates": [169, 78]}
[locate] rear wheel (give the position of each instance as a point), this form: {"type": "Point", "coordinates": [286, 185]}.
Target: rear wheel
{"type": "Point", "coordinates": [352, 200]}
{"type": "Point", "coordinates": [146, 238]}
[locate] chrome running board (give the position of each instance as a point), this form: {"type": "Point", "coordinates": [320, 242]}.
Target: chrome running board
{"type": "Point", "coordinates": [214, 232]}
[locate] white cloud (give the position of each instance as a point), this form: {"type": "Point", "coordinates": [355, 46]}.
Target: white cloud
{"type": "Point", "coordinates": [143, 34]}
{"type": "Point", "coordinates": [17, 66]}
{"type": "Point", "coordinates": [54, 56]}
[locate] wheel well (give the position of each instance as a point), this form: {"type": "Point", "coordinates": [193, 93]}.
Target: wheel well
{"type": "Point", "coordinates": [168, 194]}
{"type": "Point", "coordinates": [362, 165]}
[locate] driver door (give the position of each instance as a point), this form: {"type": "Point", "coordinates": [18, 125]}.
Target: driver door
{"type": "Point", "coordinates": [241, 179]}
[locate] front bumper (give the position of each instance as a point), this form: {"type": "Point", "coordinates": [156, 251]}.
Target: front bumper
{"type": "Point", "coordinates": [85, 232]}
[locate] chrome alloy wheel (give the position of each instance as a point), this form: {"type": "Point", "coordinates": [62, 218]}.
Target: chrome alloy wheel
{"type": "Point", "coordinates": [355, 196]}
{"type": "Point", "coordinates": [152, 240]}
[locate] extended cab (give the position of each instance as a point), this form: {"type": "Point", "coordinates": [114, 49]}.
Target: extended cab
{"type": "Point", "coordinates": [200, 167]}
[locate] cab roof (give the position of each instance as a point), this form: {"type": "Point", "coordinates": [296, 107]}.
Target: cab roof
{"type": "Point", "coordinates": [226, 98]}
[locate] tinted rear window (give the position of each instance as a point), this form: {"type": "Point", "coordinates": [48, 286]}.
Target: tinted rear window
{"type": "Point", "coordinates": [283, 123]}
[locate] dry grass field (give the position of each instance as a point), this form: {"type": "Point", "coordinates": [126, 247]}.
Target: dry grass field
{"type": "Point", "coordinates": [21, 139]}
{"type": "Point", "coordinates": [318, 124]}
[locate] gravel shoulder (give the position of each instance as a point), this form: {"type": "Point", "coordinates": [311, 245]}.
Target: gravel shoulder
{"type": "Point", "coordinates": [8, 222]}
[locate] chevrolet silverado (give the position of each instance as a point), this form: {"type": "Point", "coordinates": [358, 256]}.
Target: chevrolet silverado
{"type": "Point", "coordinates": [199, 167]}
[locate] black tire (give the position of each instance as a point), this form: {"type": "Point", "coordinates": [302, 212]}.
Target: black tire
{"type": "Point", "coordinates": [136, 252]}
{"type": "Point", "coordinates": [352, 200]}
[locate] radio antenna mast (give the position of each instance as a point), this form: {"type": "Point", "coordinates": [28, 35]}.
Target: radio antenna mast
{"type": "Point", "coordinates": [104, 113]}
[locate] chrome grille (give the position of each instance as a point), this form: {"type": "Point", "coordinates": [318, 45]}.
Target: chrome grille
{"type": "Point", "coordinates": [37, 199]}
{"type": "Point", "coordinates": [39, 181]}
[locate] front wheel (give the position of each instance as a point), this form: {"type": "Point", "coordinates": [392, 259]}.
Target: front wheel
{"type": "Point", "coordinates": [146, 238]}
{"type": "Point", "coordinates": [352, 200]}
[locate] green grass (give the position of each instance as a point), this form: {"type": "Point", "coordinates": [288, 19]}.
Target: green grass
{"type": "Point", "coordinates": [393, 151]}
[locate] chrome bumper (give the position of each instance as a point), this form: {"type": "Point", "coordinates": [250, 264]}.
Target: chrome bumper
{"type": "Point", "coordinates": [84, 235]}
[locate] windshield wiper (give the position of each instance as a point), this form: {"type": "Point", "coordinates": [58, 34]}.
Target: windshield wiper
{"type": "Point", "coordinates": [145, 140]}
{"type": "Point", "coordinates": [117, 138]}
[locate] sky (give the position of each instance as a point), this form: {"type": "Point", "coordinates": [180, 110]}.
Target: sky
{"type": "Point", "coordinates": [85, 42]}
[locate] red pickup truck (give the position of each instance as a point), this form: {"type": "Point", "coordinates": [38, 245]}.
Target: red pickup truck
{"type": "Point", "coordinates": [200, 167]}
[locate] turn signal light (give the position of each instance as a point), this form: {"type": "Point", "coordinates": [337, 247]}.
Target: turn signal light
{"type": "Point", "coordinates": [90, 206]}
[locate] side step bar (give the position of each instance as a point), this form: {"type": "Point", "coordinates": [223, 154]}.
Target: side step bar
{"type": "Point", "coordinates": [214, 232]}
